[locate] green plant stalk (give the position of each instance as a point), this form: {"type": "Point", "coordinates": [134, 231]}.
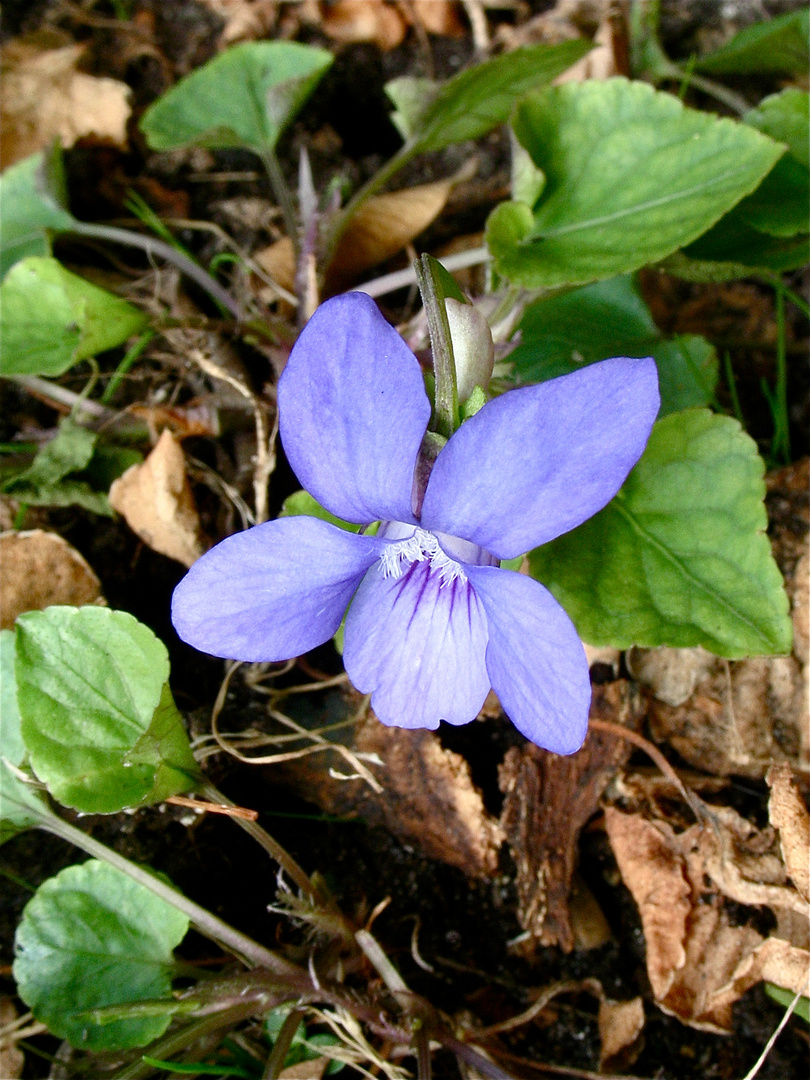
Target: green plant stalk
{"type": "Point", "coordinates": [282, 193]}
{"type": "Point", "coordinates": [296, 873]}
{"type": "Point", "coordinates": [780, 448]}
{"type": "Point", "coordinates": [281, 1047]}
{"type": "Point", "coordinates": [444, 367]}
{"type": "Point", "coordinates": [125, 365]}
{"type": "Point", "coordinates": [179, 1040]}
{"type": "Point", "coordinates": [153, 246]}
{"type": "Point", "coordinates": [250, 952]}
{"type": "Point", "coordinates": [732, 388]}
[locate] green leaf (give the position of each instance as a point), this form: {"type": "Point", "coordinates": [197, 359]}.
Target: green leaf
{"type": "Point", "coordinates": [680, 556]}
{"type": "Point", "coordinates": [733, 242]}
{"type": "Point", "coordinates": [631, 176]}
{"type": "Point", "coordinates": [47, 482]}
{"type": "Point", "coordinates": [780, 204]}
{"type": "Point", "coordinates": [34, 200]}
{"type": "Point", "coordinates": [411, 97]}
{"type": "Point", "coordinates": [92, 937]}
{"type": "Point", "coordinates": [785, 998]}
{"type": "Point", "coordinates": [51, 319]}
{"type": "Point", "coordinates": [777, 47]}
{"type": "Point", "coordinates": [98, 719]}
{"type": "Point", "coordinates": [21, 805]}
{"type": "Point", "coordinates": [301, 502]}
{"type": "Point", "coordinates": [560, 334]}
{"type": "Point", "coordinates": [479, 99]}
{"type": "Point", "coordinates": [246, 96]}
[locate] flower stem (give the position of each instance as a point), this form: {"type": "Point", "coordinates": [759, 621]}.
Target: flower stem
{"type": "Point", "coordinates": [249, 951]}
{"type": "Point", "coordinates": [153, 246]}
{"type": "Point", "coordinates": [444, 367]}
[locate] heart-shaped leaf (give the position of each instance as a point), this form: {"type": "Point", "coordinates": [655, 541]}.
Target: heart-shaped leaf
{"type": "Point", "coordinates": [246, 96]}
{"type": "Point", "coordinates": [98, 719]}
{"type": "Point", "coordinates": [91, 937]}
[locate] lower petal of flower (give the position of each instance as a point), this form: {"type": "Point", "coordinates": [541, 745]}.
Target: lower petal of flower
{"type": "Point", "coordinates": [417, 641]}
{"type": "Point", "coordinates": [535, 659]}
{"type": "Point", "coordinates": [272, 592]}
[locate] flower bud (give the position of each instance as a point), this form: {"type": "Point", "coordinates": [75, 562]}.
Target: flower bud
{"type": "Point", "coordinates": [473, 350]}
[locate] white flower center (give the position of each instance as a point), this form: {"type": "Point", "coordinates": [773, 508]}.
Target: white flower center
{"type": "Point", "coordinates": [422, 546]}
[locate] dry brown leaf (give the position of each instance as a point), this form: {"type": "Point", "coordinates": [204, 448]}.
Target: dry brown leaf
{"type": "Point", "coordinates": [789, 815]}
{"type": "Point", "coordinates": [600, 62]}
{"type": "Point", "coordinates": [438, 17]}
{"type": "Point", "coordinates": [548, 799]}
{"type": "Point", "coordinates": [38, 569]}
{"type": "Point", "coordinates": [351, 21]}
{"type": "Point", "coordinates": [45, 97]}
{"type": "Point", "coordinates": [245, 20]}
{"type": "Point", "coordinates": [428, 798]}
{"type": "Point", "coordinates": [155, 499]}
{"type": "Point", "coordinates": [381, 228]}
{"type": "Point", "coordinates": [700, 956]}
{"type": "Point", "coordinates": [305, 1070]}
{"type": "Point", "coordinates": [620, 1026]}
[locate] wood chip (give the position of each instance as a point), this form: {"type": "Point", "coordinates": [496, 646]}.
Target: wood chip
{"type": "Point", "coordinates": [40, 569]}
{"type": "Point", "coordinates": [155, 500]}
{"type": "Point", "coordinates": [548, 799]}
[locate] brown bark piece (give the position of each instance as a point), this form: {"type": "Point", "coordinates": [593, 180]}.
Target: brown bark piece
{"type": "Point", "coordinates": [548, 800]}
{"type": "Point", "coordinates": [428, 798]}
{"type": "Point", "coordinates": [38, 569]}
{"type": "Point", "coordinates": [789, 815]}
{"type": "Point", "coordinates": [156, 501]}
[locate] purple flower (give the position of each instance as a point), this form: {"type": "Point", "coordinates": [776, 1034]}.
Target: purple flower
{"type": "Point", "coordinates": [433, 621]}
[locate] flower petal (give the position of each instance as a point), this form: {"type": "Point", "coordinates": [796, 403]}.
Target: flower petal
{"type": "Point", "coordinates": [352, 412]}
{"type": "Point", "coordinates": [417, 644]}
{"type": "Point", "coordinates": [535, 659]}
{"type": "Point", "coordinates": [271, 592]}
{"type": "Point", "coordinates": [540, 460]}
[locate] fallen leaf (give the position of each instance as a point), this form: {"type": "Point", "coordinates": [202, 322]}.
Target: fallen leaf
{"type": "Point", "coordinates": [45, 97]}
{"type": "Point", "coordinates": [156, 502]}
{"type": "Point", "coordinates": [789, 815]}
{"type": "Point", "coordinates": [600, 63]}
{"type": "Point", "coordinates": [350, 21]}
{"type": "Point", "coordinates": [548, 799]}
{"type": "Point", "coordinates": [305, 1070]}
{"type": "Point", "coordinates": [688, 886]}
{"type": "Point", "coordinates": [381, 228]}
{"type": "Point", "coordinates": [245, 20]}
{"type": "Point", "coordinates": [41, 569]}
{"type": "Point", "coordinates": [438, 17]}
{"type": "Point", "coordinates": [620, 1026]}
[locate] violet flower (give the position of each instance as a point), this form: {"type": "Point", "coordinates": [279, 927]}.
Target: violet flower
{"type": "Point", "coordinates": [433, 621]}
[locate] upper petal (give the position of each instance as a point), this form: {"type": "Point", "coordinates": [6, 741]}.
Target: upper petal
{"type": "Point", "coordinates": [535, 659]}
{"type": "Point", "coordinates": [540, 460]}
{"type": "Point", "coordinates": [417, 644]}
{"type": "Point", "coordinates": [271, 592]}
{"type": "Point", "coordinates": [352, 411]}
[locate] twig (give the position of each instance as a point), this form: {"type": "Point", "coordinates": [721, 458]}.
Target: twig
{"type": "Point", "coordinates": [769, 1044]}
{"type": "Point", "coordinates": [697, 805]}
{"type": "Point", "coordinates": [547, 995]}
{"type": "Point", "coordinates": [214, 808]}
